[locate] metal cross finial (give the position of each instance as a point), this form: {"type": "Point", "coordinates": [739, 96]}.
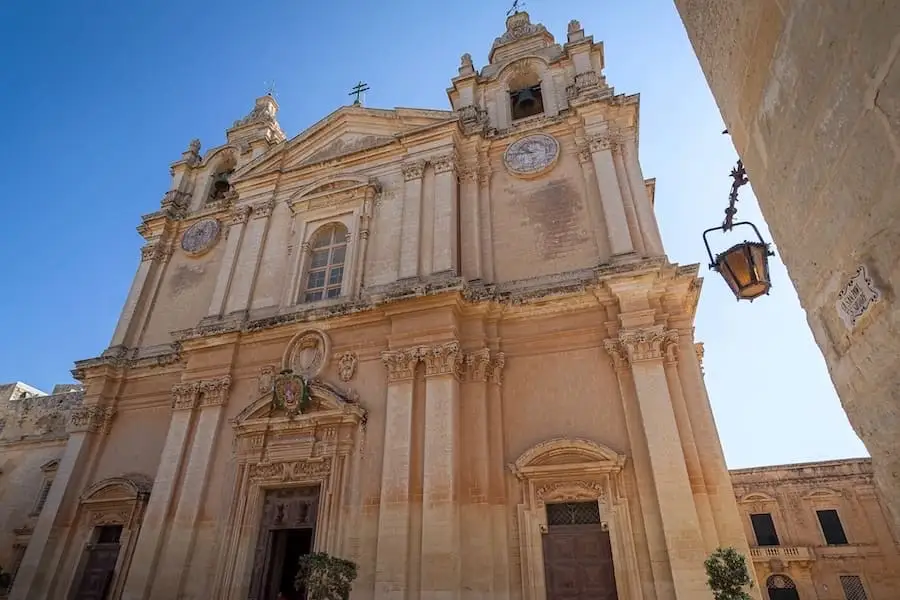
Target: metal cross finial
{"type": "Point", "coordinates": [516, 5]}
{"type": "Point", "coordinates": [270, 88]}
{"type": "Point", "coordinates": [358, 89]}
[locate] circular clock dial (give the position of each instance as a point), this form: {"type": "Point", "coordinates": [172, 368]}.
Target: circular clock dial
{"type": "Point", "coordinates": [200, 237]}
{"type": "Point", "coordinates": [532, 154]}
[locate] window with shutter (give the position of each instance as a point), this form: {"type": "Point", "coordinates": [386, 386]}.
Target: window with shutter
{"type": "Point", "coordinates": [853, 588]}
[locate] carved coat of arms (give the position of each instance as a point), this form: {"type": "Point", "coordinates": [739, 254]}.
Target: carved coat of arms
{"type": "Point", "coordinates": [291, 393]}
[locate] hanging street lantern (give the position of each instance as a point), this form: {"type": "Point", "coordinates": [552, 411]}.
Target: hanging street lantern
{"type": "Point", "coordinates": [744, 266]}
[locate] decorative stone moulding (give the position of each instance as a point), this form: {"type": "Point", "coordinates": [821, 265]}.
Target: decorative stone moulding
{"type": "Point", "coordinates": [307, 353]}
{"type": "Point", "coordinates": [201, 237]}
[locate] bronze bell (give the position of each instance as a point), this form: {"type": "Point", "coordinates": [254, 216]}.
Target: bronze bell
{"type": "Point", "coordinates": [525, 101]}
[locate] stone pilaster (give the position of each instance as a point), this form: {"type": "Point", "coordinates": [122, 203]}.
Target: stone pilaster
{"type": "Point", "coordinates": [247, 263]}
{"type": "Point", "coordinates": [211, 395]}
{"type": "Point", "coordinates": [408, 260]}
{"type": "Point", "coordinates": [477, 554]}
{"type": "Point", "coordinates": [645, 350]}
{"type": "Point", "coordinates": [689, 447]}
{"type": "Point", "coordinates": [594, 206]}
{"type": "Point", "coordinates": [135, 295]}
{"type": "Point", "coordinates": [645, 213]}
{"type": "Point", "coordinates": [631, 216]}
{"type": "Point", "coordinates": [146, 552]}
{"type": "Point", "coordinates": [239, 218]}
{"type": "Point", "coordinates": [440, 510]}
{"type": "Point", "coordinates": [486, 226]}
{"type": "Point", "coordinates": [445, 247]}
{"type": "Point", "coordinates": [613, 205]}
{"type": "Point", "coordinates": [393, 560]}
{"type": "Point", "coordinates": [470, 216]}
{"type": "Point", "coordinates": [497, 477]}
{"type": "Point", "coordinates": [34, 577]}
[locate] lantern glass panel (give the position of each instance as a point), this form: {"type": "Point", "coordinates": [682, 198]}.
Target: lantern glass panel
{"type": "Point", "coordinates": [745, 267]}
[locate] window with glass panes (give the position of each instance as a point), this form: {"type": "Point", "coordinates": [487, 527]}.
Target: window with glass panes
{"type": "Point", "coordinates": [326, 264]}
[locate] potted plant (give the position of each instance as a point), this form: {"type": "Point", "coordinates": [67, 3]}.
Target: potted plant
{"type": "Point", "coordinates": [325, 577]}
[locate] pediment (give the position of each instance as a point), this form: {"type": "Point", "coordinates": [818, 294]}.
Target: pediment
{"type": "Point", "coordinates": [345, 132]}
{"type": "Point", "coordinates": [325, 398]}
{"type": "Point", "coordinates": [561, 453]}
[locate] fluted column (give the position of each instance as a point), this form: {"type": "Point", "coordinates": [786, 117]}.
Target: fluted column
{"type": "Point", "coordinates": [146, 552]}
{"type": "Point", "coordinates": [645, 349]}
{"type": "Point", "coordinates": [35, 573]}
{"type": "Point", "coordinates": [408, 262]}
{"type": "Point", "coordinates": [613, 205]}
{"type": "Point", "coordinates": [392, 554]}
{"type": "Point", "coordinates": [440, 484]}
{"type": "Point", "coordinates": [211, 397]}
{"type": "Point", "coordinates": [445, 247]}
{"type": "Point", "coordinates": [247, 263]}
{"type": "Point", "coordinates": [238, 222]}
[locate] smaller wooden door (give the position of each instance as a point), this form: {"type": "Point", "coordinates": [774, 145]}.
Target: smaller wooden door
{"type": "Point", "coordinates": [578, 563]}
{"type": "Point", "coordinates": [100, 564]}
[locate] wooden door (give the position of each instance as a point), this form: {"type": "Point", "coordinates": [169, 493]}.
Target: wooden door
{"type": "Point", "coordinates": [578, 563]}
{"type": "Point", "coordinates": [98, 572]}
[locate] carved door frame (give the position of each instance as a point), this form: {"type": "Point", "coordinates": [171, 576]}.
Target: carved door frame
{"type": "Point", "coordinates": [115, 501]}
{"type": "Point", "coordinates": [275, 451]}
{"type": "Point", "coordinates": [565, 470]}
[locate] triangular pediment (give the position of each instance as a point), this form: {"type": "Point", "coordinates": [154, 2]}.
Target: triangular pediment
{"type": "Point", "coordinates": [346, 131]}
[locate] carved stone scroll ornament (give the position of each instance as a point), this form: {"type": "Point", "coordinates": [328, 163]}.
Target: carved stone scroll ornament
{"type": "Point", "coordinates": [307, 354]}
{"type": "Point", "coordinates": [93, 419]}
{"type": "Point", "coordinates": [413, 170]}
{"type": "Point", "coordinates": [347, 365]}
{"type": "Point", "coordinates": [569, 491]}
{"type": "Point", "coordinates": [477, 365]}
{"type": "Point", "coordinates": [266, 380]}
{"type": "Point", "coordinates": [636, 345]}
{"type": "Point", "coordinates": [214, 392]}
{"type": "Point", "coordinates": [290, 471]}
{"type": "Point", "coordinates": [443, 359]}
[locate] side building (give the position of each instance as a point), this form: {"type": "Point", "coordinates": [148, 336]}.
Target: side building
{"type": "Point", "coordinates": [33, 435]}
{"type": "Point", "coordinates": [819, 531]}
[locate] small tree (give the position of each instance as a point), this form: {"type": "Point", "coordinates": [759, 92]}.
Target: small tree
{"type": "Point", "coordinates": [325, 577]}
{"type": "Point", "coordinates": [727, 575]}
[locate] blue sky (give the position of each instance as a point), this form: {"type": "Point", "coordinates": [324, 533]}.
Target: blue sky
{"type": "Point", "coordinates": [100, 97]}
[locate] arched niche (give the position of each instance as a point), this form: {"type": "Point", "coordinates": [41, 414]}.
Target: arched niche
{"type": "Point", "coordinates": [272, 450]}
{"type": "Point", "coordinates": [116, 505]}
{"type": "Point", "coordinates": [524, 72]}
{"type": "Point", "coordinates": [567, 470]}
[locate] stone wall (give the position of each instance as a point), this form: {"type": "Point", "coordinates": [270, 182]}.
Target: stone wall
{"type": "Point", "coordinates": [792, 494]}
{"type": "Point", "coordinates": [809, 91]}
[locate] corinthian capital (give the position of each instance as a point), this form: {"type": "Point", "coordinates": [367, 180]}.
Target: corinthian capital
{"type": "Point", "coordinates": [651, 343]}
{"type": "Point", "coordinates": [413, 170]}
{"type": "Point", "coordinates": [240, 215]}
{"type": "Point", "coordinates": [477, 365]}
{"type": "Point", "coordinates": [443, 359]}
{"type": "Point", "coordinates": [184, 395]}
{"type": "Point", "coordinates": [400, 364]}
{"type": "Point", "coordinates": [93, 419]}
{"type": "Point", "coordinates": [445, 163]}
{"type": "Point", "coordinates": [214, 392]}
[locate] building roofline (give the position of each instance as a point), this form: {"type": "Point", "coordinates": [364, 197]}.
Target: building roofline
{"type": "Point", "coordinates": [801, 465]}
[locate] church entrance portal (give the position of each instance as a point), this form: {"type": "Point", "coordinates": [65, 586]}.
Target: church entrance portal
{"type": "Point", "coordinates": [287, 532]}
{"type": "Point", "coordinates": [578, 560]}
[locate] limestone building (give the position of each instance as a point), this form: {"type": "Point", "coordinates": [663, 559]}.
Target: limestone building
{"type": "Point", "coordinates": [810, 92]}
{"type": "Point", "coordinates": [818, 531]}
{"type": "Point", "coordinates": [445, 344]}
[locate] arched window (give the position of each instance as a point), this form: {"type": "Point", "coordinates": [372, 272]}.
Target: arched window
{"type": "Point", "coordinates": [781, 587]}
{"type": "Point", "coordinates": [328, 250]}
{"type": "Point", "coordinates": [220, 186]}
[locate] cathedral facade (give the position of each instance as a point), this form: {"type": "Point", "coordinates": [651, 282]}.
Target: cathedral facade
{"type": "Point", "coordinates": [444, 344]}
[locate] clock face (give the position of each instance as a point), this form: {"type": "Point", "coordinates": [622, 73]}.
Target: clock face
{"type": "Point", "coordinates": [532, 155]}
{"type": "Point", "coordinates": [200, 237]}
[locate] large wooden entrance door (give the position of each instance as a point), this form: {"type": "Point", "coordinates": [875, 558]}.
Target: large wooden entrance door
{"type": "Point", "coordinates": [286, 532]}
{"type": "Point", "coordinates": [578, 562]}
{"type": "Point", "coordinates": [100, 564]}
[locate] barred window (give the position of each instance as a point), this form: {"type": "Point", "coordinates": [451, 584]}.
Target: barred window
{"type": "Point", "coordinates": [780, 582]}
{"type": "Point", "coordinates": [853, 588]}
{"type": "Point", "coordinates": [326, 263]}
{"type": "Point", "coordinates": [573, 513]}
{"type": "Point", "coordinates": [42, 497]}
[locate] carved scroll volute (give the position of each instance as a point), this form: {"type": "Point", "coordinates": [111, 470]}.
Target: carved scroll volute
{"type": "Point", "coordinates": [477, 365]}
{"type": "Point", "coordinates": [443, 359]}
{"type": "Point", "coordinates": [400, 364]}
{"type": "Point", "coordinates": [637, 345]}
